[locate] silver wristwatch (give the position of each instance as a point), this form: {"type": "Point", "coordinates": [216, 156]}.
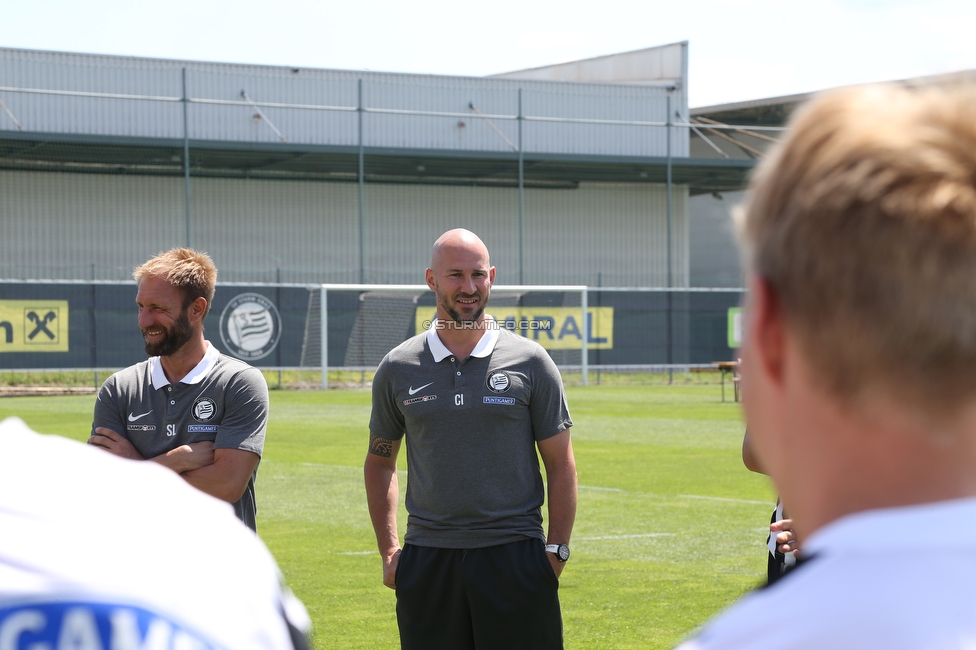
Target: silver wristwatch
{"type": "Point", "coordinates": [561, 551]}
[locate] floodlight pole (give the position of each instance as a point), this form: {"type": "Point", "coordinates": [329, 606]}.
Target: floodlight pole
{"type": "Point", "coordinates": [670, 356]}
{"type": "Point", "coordinates": [521, 192]}
{"type": "Point", "coordinates": [186, 158]}
{"type": "Point", "coordinates": [362, 225]}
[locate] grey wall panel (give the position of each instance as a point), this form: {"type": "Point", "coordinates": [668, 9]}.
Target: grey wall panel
{"type": "Point", "coordinates": [101, 226]}
{"type": "Point", "coordinates": [91, 74]}
{"type": "Point", "coordinates": [662, 64]}
{"type": "Point", "coordinates": [85, 226]}
{"type": "Point", "coordinates": [618, 103]}
{"type": "Point", "coordinates": [272, 85]}
{"type": "Point", "coordinates": [301, 89]}
{"type": "Point", "coordinates": [402, 222]}
{"type": "Point", "coordinates": [605, 235]}
{"type": "Point", "coordinates": [614, 235]}
{"type": "Point", "coordinates": [446, 95]}
{"type": "Point", "coordinates": [267, 231]}
{"type": "Point", "coordinates": [714, 253]}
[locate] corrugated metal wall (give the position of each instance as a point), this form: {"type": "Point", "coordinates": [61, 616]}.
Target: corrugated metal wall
{"type": "Point", "coordinates": [321, 106]}
{"type": "Point", "coordinates": [85, 226]}
{"type": "Point", "coordinates": [100, 226]}
{"type": "Point", "coordinates": [157, 118]}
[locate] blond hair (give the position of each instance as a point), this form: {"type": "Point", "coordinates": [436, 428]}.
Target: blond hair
{"type": "Point", "coordinates": [863, 222]}
{"type": "Point", "coordinates": [190, 271]}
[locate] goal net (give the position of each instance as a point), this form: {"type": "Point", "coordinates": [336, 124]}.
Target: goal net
{"type": "Point", "coordinates": [350, 328]}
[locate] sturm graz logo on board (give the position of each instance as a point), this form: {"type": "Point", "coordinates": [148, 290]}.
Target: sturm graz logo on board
{"type": "Point", "coordinates": [499, 382]}
{"type": "Point", "coordinates": [250, 326]}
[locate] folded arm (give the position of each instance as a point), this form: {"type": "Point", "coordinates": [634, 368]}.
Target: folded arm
{"type": "Point", "coordinates": [227, 477]}
{"type": "Point", "coordinates": [181, 459]}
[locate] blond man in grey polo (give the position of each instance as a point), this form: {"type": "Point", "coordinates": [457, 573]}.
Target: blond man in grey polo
{"type": "Point", "coordinates": [188, 407]}
{"type": "Point", "coordinates": [473, 403]}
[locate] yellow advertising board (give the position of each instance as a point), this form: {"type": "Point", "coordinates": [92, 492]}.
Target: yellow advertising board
{"type": "Point", "coordinates": [33, 325]}
{"type": "Point", "coordinates": [555, 328]}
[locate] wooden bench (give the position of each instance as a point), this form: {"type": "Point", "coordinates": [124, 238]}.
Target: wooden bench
{"type": "Point", "coordinates": [729, 368]}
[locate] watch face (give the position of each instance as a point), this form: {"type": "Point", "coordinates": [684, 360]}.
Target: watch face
{"type": "Point", "coordinates": [563, 552]}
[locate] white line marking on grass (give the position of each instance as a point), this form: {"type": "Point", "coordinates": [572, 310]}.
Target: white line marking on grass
{"type": "Point", "coordinates": [353, 467]}
{"type": "Point", "coordinates": [603, 489]}
{"type": "Point", "coordinates": [696, 496]}
{"type": "Point", "coordinates": [603, 537]}
{"type": "Point", "coordinates": [357, 553]}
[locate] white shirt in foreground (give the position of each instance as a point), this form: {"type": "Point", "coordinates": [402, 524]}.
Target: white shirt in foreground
{"type": "Point", "coordinates": [99, 552]}
{"type": "Point", "coordinates": [897, 578]}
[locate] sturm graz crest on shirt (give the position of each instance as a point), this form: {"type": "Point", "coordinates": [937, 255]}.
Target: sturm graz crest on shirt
{"type": "Point", "coordinates": [204, 409]}
{"type": "Point", "coordinates": [499, 382]}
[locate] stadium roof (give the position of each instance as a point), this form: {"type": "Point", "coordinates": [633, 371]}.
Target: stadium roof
{"type": "Point", "coordinates": [105, 155]}
{"type": "Point", "coordinates": [125, 115]}
{"type": "Point", "coordinates": [762, 120]}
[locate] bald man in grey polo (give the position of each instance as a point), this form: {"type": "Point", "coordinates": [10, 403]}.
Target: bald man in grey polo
{"type": "Point", "coordinates": [222, 399]}
{"type": "Point", "coordinates": [471, 428]}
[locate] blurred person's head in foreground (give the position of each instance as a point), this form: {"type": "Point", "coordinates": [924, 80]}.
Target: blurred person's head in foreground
{"type": "Point", "coordinates": [859, 369]}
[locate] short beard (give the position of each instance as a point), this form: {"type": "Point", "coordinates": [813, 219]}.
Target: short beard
{"type": "Point", "coordinates": [173, 340]}
{"type": "Point", "coordinates": [456, 317]}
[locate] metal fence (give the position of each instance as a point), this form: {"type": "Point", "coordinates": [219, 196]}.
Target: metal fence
{"type": "Point", "coordinates": [92, 325]}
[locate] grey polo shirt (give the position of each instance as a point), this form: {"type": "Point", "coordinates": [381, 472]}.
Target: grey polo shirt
{"type": "Point", "coordinates": [471, 429]}
{"type": "Point", "coordinates": [222, 399]}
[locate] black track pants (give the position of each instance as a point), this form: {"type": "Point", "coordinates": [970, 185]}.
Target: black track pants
{"type": "Point", "coordinates": [499, 597]}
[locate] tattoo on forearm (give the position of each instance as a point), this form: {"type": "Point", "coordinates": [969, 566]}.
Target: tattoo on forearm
{"type": "Point", "coordinates": [380, 446]}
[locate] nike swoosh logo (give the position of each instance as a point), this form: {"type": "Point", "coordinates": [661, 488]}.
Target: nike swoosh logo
{"type": "Point", "coordinates": [414, 391]}
{"type": "Point", "coordinates": [133, 418]}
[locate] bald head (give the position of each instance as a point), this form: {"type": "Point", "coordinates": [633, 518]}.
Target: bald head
{"type": "Point", "coordinates": [457, 242]}
{"type": "Point", "coordinates": [461, 274]}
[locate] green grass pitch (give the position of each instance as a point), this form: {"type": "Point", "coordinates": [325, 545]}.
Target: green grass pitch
{"type": "Point", "coordinates": [670, 526]}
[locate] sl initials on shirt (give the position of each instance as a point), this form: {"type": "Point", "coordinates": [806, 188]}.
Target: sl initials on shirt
{"type": "Point", "coordinates": [459, 399]}
{"type": "Point", "coordinates": [170, 430]}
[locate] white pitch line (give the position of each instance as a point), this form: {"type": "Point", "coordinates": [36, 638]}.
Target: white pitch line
{"type": "Point", "coordinates": [602, 489]}
{"type": "Point", "coordinates": [357, 553]}
{"type": "Point", "coordinates": [696, 496]}
{"type": "Point", "coordinates": [603, 537]}
{"type": "Point", "coordinates": [348, 467]}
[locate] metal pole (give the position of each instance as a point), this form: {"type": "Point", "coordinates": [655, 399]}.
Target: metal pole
{"type": "Point", "coordinates": [186, 157]}
{"type": "Point", "coordinates": [93, 322]}
{"type": "Point", "coordinates": [278, 304]}
{"type": "Point", "coordinates": [668, 188]}
{"type": "Point", "coordinates": [585, 361]}
{"type": "Point", "coordinates": [670, 278]}
{"type": "Point", "coordinates": [362, 224]}
{"type": "Point", "coordinates": [324, 335]}
{"type": "Point", "coordinates": [521, 188]}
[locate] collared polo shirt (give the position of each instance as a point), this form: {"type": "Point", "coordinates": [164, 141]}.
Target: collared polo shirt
{"type": "Point", "coordinates": [894, 578]}
{"type": "Point", "coordinates": [471, 427]}
{"type": "Point", "coordinates": [175, 569]}
{"type": "Point", "coordinates": [221, 399]}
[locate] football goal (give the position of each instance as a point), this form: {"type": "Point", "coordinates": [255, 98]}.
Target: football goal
{"type": "Point", "coordinates": [353, 326]}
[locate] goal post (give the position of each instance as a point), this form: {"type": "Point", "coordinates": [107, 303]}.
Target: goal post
{"type": "Point", "coordinates": [385, 314]}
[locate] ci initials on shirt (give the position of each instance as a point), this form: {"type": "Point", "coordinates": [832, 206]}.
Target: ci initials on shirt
{"type": "Point", "coordinates": [459, 399]}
